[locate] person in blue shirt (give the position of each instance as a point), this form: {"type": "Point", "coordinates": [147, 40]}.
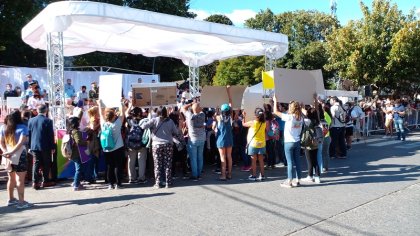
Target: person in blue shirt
{"type": "Point", "coordinates": [399, 115]}
{"type": "Point", "coordinates": [28, 82]}
{"type": "Point", "coordinates": [69, 90]}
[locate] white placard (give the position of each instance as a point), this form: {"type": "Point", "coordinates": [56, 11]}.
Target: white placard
{"type": "Point", "coordinates": [250, 101]}
{"type": "Point", "coordinates": [14, 102]}
{"type": "Point", "coordinates": [294, 85]}
{"type": "Point", "coordinates": [110, 88]}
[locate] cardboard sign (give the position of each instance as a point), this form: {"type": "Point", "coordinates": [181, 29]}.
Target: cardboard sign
{"type": "Point", "coordinates": [110, 89]}
{"type": "Point", "coordinates": [250, 101]}
{"type": "Point", "coordinates": [13, 102]}
{"type": "Point", "coordinates": [215, 96]}
{"type": "Point", "coordinates": [294, 85]}
{"type": "Point", "coordinates": [146, 95]}
{"type": "Point", "coordinates": [319, 80]}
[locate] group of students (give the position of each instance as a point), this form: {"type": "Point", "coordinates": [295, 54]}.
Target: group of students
{"type": "Point", "coordinates": [185, 135]}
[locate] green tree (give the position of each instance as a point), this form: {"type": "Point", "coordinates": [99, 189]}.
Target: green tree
{"type": "Point", "coordinates": [245, 70]}
{"type": "Point", "coordinates": [306, 31]}
{"type": "Point", "coordinates": [221, 19]}
{"type": "Point", "coordinates": [360, 51]}
{"type": "Point", "coordinates": [207, 72]}
{"type": "Point", "coordinates": [404, 60]}
{"type": "Point", "coordinates": [13, 16]}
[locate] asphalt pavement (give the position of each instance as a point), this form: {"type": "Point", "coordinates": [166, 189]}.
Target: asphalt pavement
{"type": "Point", "coordinates": [375, 191]}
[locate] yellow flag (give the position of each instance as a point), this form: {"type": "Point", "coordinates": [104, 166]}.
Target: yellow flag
{"type": "Point", "coordinates": [268, 80]}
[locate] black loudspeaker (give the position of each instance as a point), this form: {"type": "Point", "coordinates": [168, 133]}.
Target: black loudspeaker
{"type": "Point", "coordinates": [368, 91]}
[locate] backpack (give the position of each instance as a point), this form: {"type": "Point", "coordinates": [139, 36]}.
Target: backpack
{"type": "Point", "coordinates": [348, 115]}
{"type": "Point", "coordinates": [274, 130]}
{"type": "Point", "coordinates": [345, 115]}
{"type": "Point", "coordinates": [308, 136]}
{"type": "Point", "coordinates": [325, 128]}
{"type": "Point", "coordinates": [135, 137]}
{"type": "Point", "coordinates": [67, 146]}
{"type": "Point", "coordinates": [107, 140]}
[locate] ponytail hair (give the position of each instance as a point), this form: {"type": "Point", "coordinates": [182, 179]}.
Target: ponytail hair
{"type": "Point", "coordinates": [259, 115]}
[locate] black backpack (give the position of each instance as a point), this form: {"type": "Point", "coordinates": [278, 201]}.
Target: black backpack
{"type": "Point", "coordinates": [135, 136]}
{"type": "Point", "coordinates": [308, 137]}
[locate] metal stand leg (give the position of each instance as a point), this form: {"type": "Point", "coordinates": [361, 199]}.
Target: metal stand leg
{"type": "Point", "coordinates": [55, 67]}
{"type": "Point", "coordinates": [194, 73]}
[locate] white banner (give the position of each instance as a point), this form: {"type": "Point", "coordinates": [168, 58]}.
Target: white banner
{"type": "Point", "coordinates": [16, 77]}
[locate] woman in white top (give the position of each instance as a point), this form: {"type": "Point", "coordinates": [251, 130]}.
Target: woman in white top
{"type": "Point", "coordinates": [388, 118]}
{"type": "Point", "coordinates": [35, 101]}
{"type": "Point", "coordinates": [292, 129]}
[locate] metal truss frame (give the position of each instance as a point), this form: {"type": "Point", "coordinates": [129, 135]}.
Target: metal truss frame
{"type": "Point", "coordinates": [55, 68]}
{"type": "Point", "coordinates": [194, 74]}
{"type": "Point", "coordinates": [269, 59]}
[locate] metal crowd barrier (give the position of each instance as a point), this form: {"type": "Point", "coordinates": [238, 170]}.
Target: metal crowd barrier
{"type": "Point", "coordinates": [375, 121]}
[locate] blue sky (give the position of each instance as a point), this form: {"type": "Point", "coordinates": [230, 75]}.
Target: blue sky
{"type": "Point", "coordinates": [240, 10]}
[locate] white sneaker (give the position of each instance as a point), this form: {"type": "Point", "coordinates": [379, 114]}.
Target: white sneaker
{"type": "Point", "coordinates": [296, 184]}
{"type": "Point", "coordinates": [317, 180]}
{"type": "Point", "coordinates": [308, 179]}
{"type": "Point", "coordinates": [385, 136]}
{"type": "Point", "coordinates": [286, 184]}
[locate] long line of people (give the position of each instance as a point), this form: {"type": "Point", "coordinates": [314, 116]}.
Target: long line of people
{"type": "Point", "coordinates": [183, 138]}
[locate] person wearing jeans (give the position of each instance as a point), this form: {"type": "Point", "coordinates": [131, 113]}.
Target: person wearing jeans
{"type": "Point", "coordinates": [195, 152]}
{"type": "Point", "coordinates": [399, 113]}
{"type": "Point", "coordinates": [292, 153]}
{"type": "Point", "coordinates": [292, 129]}
{"type": "Point", "coordinates": [197, 136]}
{"type": "Point", "coordinates": [73, 130]}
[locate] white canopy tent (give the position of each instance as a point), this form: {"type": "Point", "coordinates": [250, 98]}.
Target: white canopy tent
{"type": "Point", "coordinates": [92, 26]}
{"type": "Point", "coordinates": [73, 28]}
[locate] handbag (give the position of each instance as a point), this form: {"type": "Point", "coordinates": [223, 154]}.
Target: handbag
{"type": "Point", "coordinates": [247, 145]}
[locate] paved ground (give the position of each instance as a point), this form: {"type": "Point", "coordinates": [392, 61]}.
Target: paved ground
{"type": "Point", "coordinates": [376, 191]}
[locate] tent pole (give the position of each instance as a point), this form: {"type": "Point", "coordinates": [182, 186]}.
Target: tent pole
{"type": "Point", "coordinates": [194, 74]}
{"type": "Point", "coordinates": [55, 68]}
{"type": "Point", "coordinates": [269, 64]}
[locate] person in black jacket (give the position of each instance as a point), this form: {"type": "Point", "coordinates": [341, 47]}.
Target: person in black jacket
{"type": "Point", "coordinates": [9, 92]}
{"type": "Point", "coordinates": [42, 146]}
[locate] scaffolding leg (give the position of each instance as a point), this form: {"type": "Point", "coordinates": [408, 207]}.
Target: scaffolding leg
{"type": "Point", "coordinates": [55, 68]}
{"type": "Point", "coordinates": [194, 74]}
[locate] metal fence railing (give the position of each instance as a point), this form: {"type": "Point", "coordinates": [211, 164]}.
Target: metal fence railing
{"type": "Point", "coordinates": [375, 121]}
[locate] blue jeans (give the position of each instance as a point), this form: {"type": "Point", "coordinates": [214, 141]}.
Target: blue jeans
{"type": "Point", "coordinates": [399, 127]}
{"type": "Point", "coordinates": [195, 152]}
{"type": "Point", "coordinates": [292, 151]}
{"type": "Point", "coordinates": [77, 173]}
{"type": "Point", "coordinates": [319, 157]}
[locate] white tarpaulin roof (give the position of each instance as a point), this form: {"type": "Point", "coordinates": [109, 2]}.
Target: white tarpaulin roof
{"type": "Point", "coordinates": [91, 26]}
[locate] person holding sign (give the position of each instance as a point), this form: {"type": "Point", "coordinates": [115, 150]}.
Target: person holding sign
{"type": "Point", "coordinates": [112, 144]}
{"type": "Point", "coordinates": [196, 120]}
{"type": "Point", "coordinates": [292, 130]}
{"type": "Point", "coordinates": [256, 143]}
{"type": "Point", "coordinates": [224, 142]}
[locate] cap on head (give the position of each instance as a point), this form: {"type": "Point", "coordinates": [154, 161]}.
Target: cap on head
{"type": "Point", "coordinates": [225, 107]}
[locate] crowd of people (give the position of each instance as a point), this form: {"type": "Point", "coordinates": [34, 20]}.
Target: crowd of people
{"type": "Point", "coordinates": [169, 140]}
